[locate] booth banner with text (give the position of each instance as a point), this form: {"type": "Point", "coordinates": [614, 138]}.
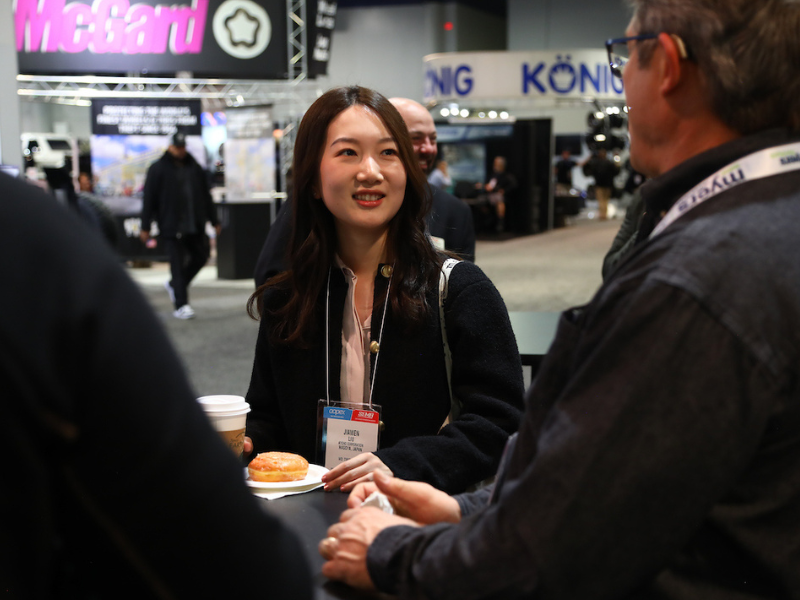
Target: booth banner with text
{"type": "Point", "coordinates": [145, 117]}
{"type": "Point", "coordinates": [321, 17]}
{"type": "Point", "coordinates": [250, 167]}
{"type": "Point", "coordinates": [130, 135]}
{"type": "Point", "coordinates": [548, 74]}
{"type": "Point", "coordinates": [209, 38]}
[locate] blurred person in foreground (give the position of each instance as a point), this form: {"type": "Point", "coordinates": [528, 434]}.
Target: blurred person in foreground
{"type": "Point", "coordinates": [356, 319]}
{"type": "Point", "coordinates": [449, 219]}
{"type": "Point", "coordinates": [178, 198]}
{"type": "Point", "coordinates": [115, 484]}
{"type": "Point", "coordinates": [658, 457]}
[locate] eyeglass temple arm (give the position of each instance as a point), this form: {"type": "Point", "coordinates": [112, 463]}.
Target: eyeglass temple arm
{"type": "Point", "coordinates": [681, 46]}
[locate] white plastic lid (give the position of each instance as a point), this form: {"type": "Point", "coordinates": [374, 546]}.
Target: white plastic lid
{"type": "Point", "coordinates": [224, 404]}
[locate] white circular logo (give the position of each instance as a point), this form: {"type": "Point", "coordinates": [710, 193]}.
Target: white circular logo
{"type": "Point", "coordinates": [242, 28]}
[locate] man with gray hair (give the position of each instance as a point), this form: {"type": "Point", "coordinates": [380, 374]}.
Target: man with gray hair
{"type": "Point", "coordinates": [658, 457]}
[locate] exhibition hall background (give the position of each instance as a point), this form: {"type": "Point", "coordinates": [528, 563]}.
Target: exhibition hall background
{"type": "Point", "coordinates": [379, 45]}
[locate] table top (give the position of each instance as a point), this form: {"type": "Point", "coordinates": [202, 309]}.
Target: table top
{"type": "Point", "coordinates": [534, 332]}
{"type": "Point", "coordinates": [309, 515]}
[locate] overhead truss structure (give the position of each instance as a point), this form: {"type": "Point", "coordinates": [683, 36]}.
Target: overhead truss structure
{"type": "Point", "coordinates": [293, 94]}
{"type": "Point", "coordinates": [220, 93]}
{"type": "Point", "coordinates": [290, 98]}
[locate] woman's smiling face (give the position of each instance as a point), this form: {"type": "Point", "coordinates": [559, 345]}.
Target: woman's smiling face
{"type": "Point", "coordinates": [362, 180]}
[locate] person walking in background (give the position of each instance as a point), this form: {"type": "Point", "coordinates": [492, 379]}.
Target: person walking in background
{"type": "Point", "coordinates": [500, 184]}
{"type": "Point", "coordinates": [658, 455]}
{"type": "Point", "coordinates": [603, 170]}
{"type": "Point", "coordinates": [439, 178]}
{"type": "Point", "coordinates": [177, 197]}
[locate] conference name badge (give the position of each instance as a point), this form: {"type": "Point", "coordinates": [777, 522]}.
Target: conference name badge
{"type": "Point", "coordinates": [348, 431]}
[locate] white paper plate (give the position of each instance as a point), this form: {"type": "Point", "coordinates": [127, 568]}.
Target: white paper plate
{"type": "Point", "coordinates": [314, 477]}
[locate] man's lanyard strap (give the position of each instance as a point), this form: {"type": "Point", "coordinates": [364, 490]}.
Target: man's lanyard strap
{"type": "Point", "coordinates": [764, 163]}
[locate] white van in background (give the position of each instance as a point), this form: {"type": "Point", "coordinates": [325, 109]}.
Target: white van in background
{"type": "Point", "coordinates": [49, 150]}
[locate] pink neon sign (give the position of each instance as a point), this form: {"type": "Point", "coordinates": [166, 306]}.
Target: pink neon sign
{"type": "Point", "coordinates": [109, 26]}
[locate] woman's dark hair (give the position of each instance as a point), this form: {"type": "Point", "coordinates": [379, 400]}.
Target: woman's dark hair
{"type": "Point", "coordinates": [313, 241]}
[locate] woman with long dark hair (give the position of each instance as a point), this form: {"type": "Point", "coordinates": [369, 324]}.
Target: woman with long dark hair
{"type": "Point", "coordinates": [355, 320]}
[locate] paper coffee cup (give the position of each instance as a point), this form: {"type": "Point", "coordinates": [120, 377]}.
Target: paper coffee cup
{"type": "Point", "coordinates": [228, 414]}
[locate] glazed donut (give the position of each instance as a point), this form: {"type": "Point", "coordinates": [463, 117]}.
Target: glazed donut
{"type": "Point", "coordinates": [278, 466]}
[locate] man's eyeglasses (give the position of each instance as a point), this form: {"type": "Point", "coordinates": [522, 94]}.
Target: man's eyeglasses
{"type": "Point", "coordinates": [618, 55]}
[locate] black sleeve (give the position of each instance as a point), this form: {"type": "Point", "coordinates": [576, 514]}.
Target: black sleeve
{"type": "Point", "coordinates": [487, 382]}
{"type": "Point", "coordinates": [603, 499]}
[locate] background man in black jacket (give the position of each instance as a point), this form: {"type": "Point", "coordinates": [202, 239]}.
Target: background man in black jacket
{"type": "Point", "coordinates": [176, 195]}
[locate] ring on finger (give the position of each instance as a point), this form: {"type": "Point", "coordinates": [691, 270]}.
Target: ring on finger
{"type": "Point", "coordinates": [327, 547]}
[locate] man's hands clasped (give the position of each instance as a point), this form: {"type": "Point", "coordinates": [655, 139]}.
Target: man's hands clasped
{"type": "Point", "coordinates": [345, 548]}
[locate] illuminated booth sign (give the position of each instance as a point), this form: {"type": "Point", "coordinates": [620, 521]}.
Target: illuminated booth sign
{"type": "Point", "coordinates": [536, 75]}
{"type": "Point", "coordinates": [210, 38]}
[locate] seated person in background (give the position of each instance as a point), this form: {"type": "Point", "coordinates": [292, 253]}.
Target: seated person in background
{"type": "Point", "coordinates": [658, 456]}
{"type": "Point", "coordinates": [439, 177]}
{"type": "Point", "coordinates": [563, 170]}
{"type": "Point", "coordinates": [114, 482]}
{"type": "Point", "coordinates": [500, 184]}
{"type": "Point", "coordinates": [355, 318]}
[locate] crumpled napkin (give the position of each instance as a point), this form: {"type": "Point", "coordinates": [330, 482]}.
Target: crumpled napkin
{"type": "Point", "coordinates": [379, 500]}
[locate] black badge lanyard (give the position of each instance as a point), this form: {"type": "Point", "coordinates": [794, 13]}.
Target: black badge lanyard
{"type": "Point", "coordinates": [328, 346]}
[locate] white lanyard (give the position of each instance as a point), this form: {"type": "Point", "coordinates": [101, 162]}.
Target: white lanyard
{"type": "Point", "coordinates": [764, 163]}
{"type": "Point", "coordinates": [327, 340]}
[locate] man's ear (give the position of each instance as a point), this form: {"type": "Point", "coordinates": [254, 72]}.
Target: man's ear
{"type": "Point", "coordinates": [673, 52]}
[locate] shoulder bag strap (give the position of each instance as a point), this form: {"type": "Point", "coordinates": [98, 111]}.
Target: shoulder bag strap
{"type": "Point", "coordinates": [444, 278]}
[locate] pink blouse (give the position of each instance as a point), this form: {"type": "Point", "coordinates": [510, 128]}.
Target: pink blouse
{"type": "Point", "coordinates": [355, 345]}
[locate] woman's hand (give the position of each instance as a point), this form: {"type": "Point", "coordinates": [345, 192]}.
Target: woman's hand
{"type": "Point", "coordinates": [358, 469]}
{"type": "Point", "coordinates": [412, 499]}
{"type": "Point", "coordinates": [247, 449]}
